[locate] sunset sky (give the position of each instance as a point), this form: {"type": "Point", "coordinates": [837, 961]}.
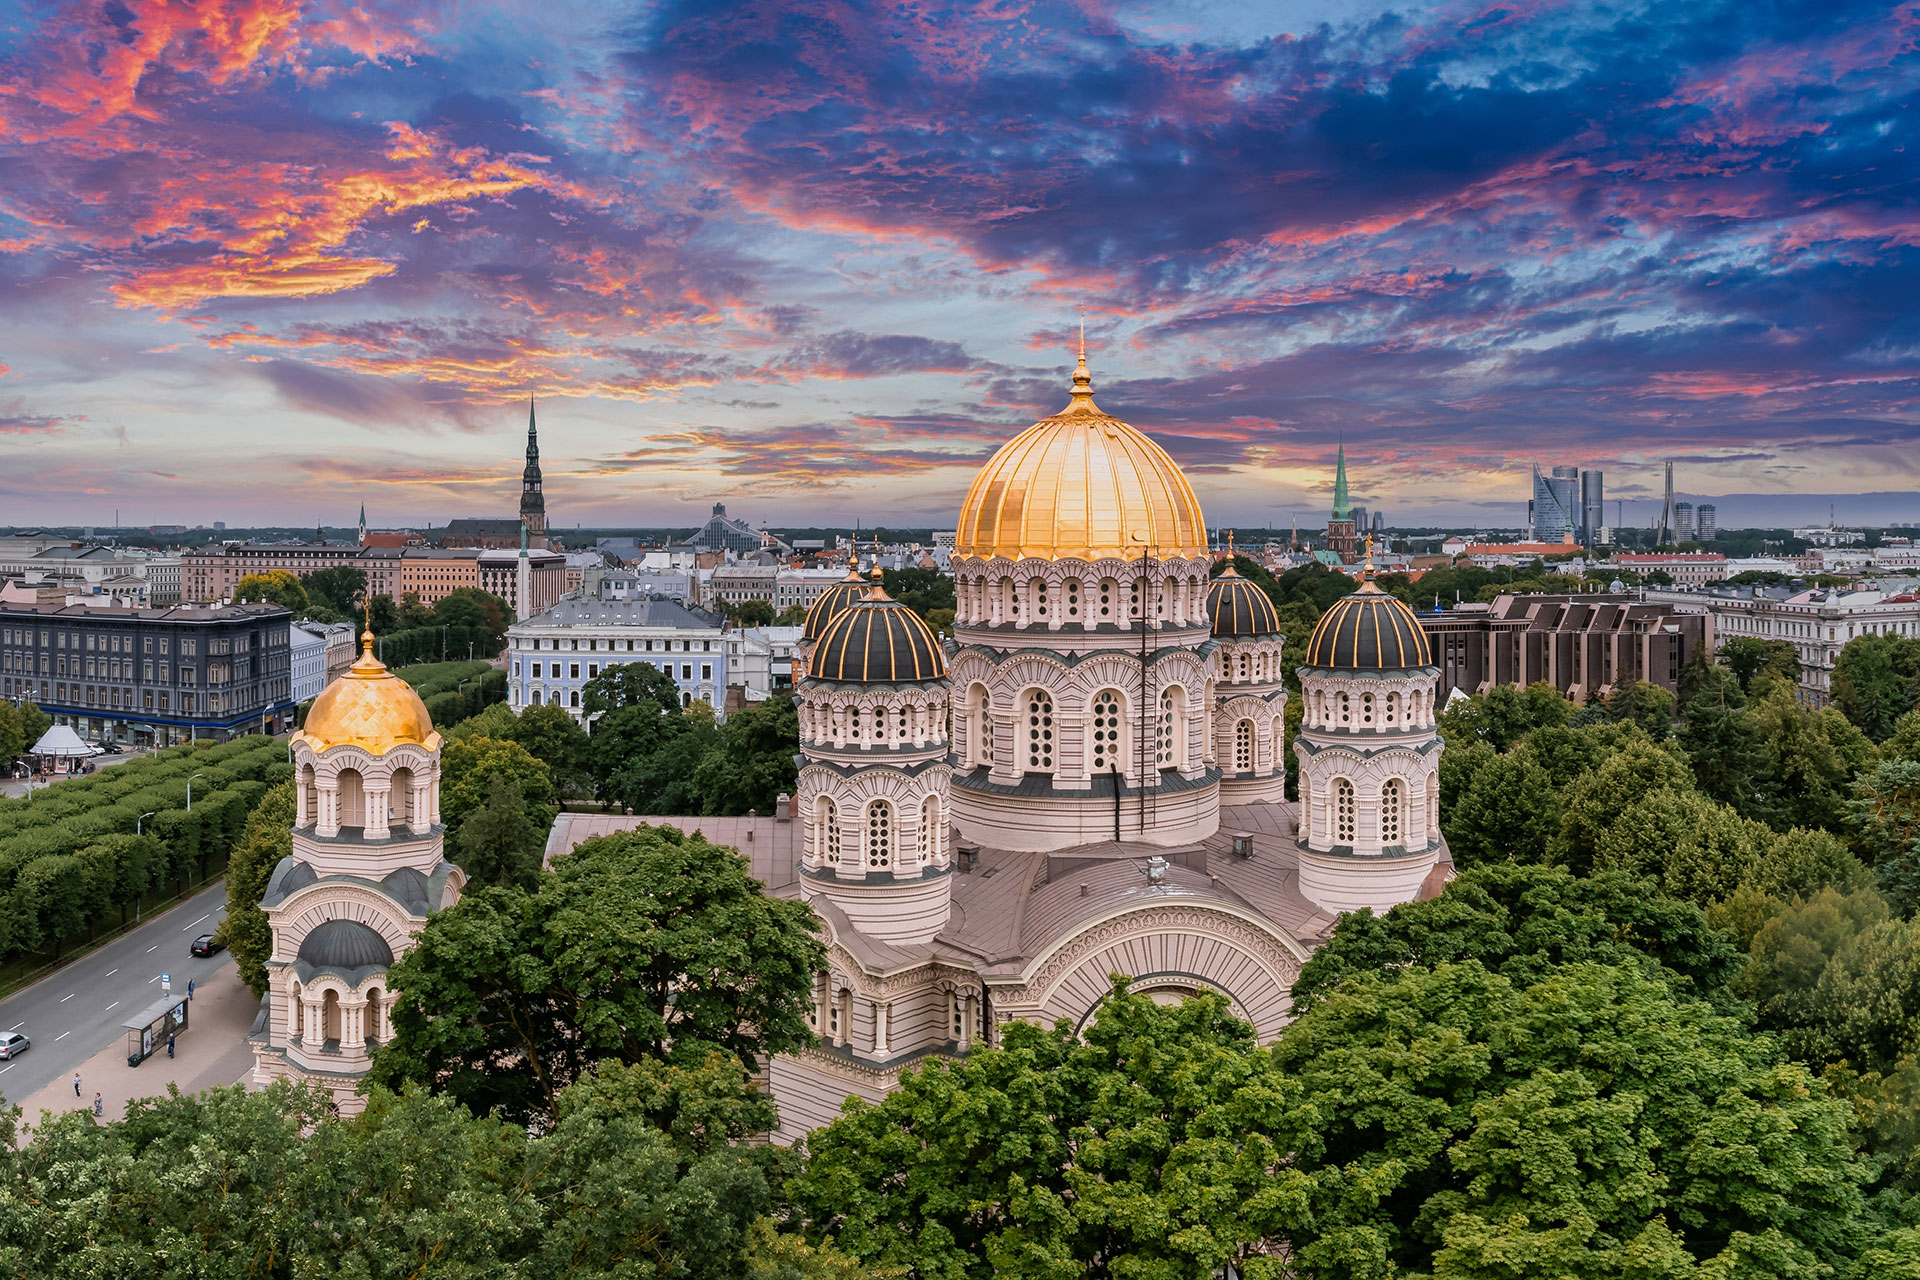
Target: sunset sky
{"type": "Point", "coordinates": [265, 261]}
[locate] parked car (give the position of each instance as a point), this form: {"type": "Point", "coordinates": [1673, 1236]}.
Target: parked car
{"type": "Point", "coordinates": [12, 1045]}
{"type": "Point", "coordinates": [206, 944]}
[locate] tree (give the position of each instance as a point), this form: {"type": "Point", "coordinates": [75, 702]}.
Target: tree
{"type": "Point", "coordinates": [383, 615]}
{"type": "Point", "coordinates": [795, 615]}
{"type": "Point", "coordinates": [1808, 760]}
{"type": "Point", "coordinates": [1884, 818]}
{"type": "Point", "coordinates": [267, 838]}
{"type": "Point", "coordinates": [1508, 813]}
{"type": "Point", "coordinates": [497, 843]}
{"type": "Point", "coordinates": [496, 720]}
{"type": "Point", "coordinates": [751, 765]}
{"type": "Point", "coordinates": [749, 613]}
{"type": "Point", "coordinates": [276, 586]}
{"type": "Point", "coordinates": [1748, 656]}
{"type": "Point", "coordinates": [1595, 800]}
{"type": "Point", "coordinates": [340, 589]}
{"type": "Point", "coordinates": [1874, 681]}
{"type": "Point", "coordinates": [467, 769]}
{"type": "Point", "coordinates": [472, 607]}
{"type": "Point", "coordinates": [552, 736]}
{"type": "Point", "coordinates": [925, 591]}
{"type": "Point", "coordinates": [1526, 922]}
{"type": "Point", "coordinates": [1699, 850]}
{"type": "Point", "coordinates": [1644, 704]}
{"type": "Point", "coordinates": [1454, 1122]}
{"type": "Point", "coordinates": [1720, 744]}
{"type": "Point", "coordinates": [630, 684]}
{"type": "Point", "coordinates": [643, 945]}
{"type": "Point", "coordinates": [414, 613]}
{"type": "Point", "coordinates": [51, 897]}
{"type": "Point", "coordinates": [1053, 1153]}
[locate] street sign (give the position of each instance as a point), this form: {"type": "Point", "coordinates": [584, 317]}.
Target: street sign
{"type": "Point", "coordinates": [166, 983]}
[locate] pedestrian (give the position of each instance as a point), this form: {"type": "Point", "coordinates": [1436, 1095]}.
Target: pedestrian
{"type": "Point", "coordinates": [76, 1084]}
{"type": "Point", "coordinates": [99, 1105]}
{"type": "Point", "coordinates": [169, 1046]}
{"type": "Point", "coordinates": [189, 988]}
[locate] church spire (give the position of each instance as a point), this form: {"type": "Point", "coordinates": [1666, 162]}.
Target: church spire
{"type": "Point", "coordinates": [1342, 505]}
{"type": "Point", "coordinates": [533, 503]}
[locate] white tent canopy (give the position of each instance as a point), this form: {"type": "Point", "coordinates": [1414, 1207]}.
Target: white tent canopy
{"type": "Point", "coordinates": [62, 741]}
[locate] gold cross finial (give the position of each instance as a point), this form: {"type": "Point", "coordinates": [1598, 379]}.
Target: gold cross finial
{"type": "Point", "coordinates": [1230, 551]}
{"type": "Point", "coordinates": [1368, 571]}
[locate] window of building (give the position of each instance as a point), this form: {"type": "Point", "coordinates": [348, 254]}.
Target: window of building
{"type": "Point", "coordinates": [879, 835]}
{"type": "Point", "coordinates": [1392, 807]}
{"type": "Point", "coordinates": [573, 698]}
{"type": "Point", "coordinates": [827, 834]}
{"type": "Point", "coordinates": [1243, 747]}
{"type": "Point", "coordinates": [706, 671]}
{"type": "Point", "coordinates": [1106, 755]}
{"type": "Point", "coordinates": [686, 671]}
{"type": "Point", "coordinates": [1343, 809]}
{"type": "Point", "coordinates": [1039, 730]}
{"type": "Point", "coordinates": [929, 830]}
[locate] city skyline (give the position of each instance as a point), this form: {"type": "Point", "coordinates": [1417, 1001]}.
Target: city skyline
{"type": "Point", "coordinates": [822, 268]}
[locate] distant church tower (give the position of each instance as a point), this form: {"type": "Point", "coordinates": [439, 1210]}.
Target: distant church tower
{"type": "Point", "coordinates": [1340, 524]}
{"type": "Point", "coordinates": [533, 503]}
{"type": "Point", "coordinates": [367, 868]}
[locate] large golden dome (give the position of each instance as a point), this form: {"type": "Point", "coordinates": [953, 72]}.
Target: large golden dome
{"type": "Point", "coordinates": [369, 707]}
{"type": "Point", "coordinates": [1081, 485]}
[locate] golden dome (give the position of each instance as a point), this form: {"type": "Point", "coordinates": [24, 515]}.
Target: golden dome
{"type": "Point", "coordinates": [1081, 485]}
{"type": "Point", "coordinates": [369, 707]}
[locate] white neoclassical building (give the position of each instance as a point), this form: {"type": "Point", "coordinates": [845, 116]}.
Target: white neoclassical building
{"type": "Point", "coordinates": [367, 867]}
{"type": "Point", "coordinates": [1088, 779]}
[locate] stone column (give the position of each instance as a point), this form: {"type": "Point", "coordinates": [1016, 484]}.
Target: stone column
{"type": "Point", "coordinates": [328, 823]}
{"type": "Point", "coordinates": [881, 1016]}
{"type": "Point", "coordinates": [377, 801]}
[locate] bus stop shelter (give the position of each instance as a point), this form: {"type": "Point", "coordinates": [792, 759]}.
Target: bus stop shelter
{"type": "Point", "coordinates": [147, 1031]}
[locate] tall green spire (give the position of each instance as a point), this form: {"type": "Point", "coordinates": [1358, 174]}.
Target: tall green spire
{"type": "Point", "coordinates": [1342, 505]}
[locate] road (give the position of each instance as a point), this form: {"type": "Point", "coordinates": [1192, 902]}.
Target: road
{"type": "Point", "coordinates": [76, 1011]}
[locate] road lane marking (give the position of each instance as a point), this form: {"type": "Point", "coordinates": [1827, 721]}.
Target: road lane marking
{"type": "Point", "coordinates": [70, 995]}
{"type": "Point", "coordinates": [155, 947]}
{"type": "Point", "coordinates": [185, 927]}
{"type": "Point", "coordinates": [62, 1036]}
{"type": "Point", "coordinates": [109, 973]}
{"type": "Point", "coordinates": [16, 1026]}
{"type": "Point", "coordinates": [5, 1069]}
{"type": "Point", "coordinates": [155, 978]}
{"type": "Point", "coordinates": [110, 1008]}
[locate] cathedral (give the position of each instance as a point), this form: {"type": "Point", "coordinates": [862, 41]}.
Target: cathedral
{"type": "Point", "coordinates": [1088, 779]}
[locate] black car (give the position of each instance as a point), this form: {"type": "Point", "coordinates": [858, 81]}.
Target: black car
{"type": "Point", "coordinates": [206, 944]}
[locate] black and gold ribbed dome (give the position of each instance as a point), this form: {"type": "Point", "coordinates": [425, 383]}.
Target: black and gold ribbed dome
{"type": "Point", "coordinates": [877, 640]}
{"type": "Point", "coordinates": [1369, 631]}
{"type": "Point", "coordinates": [832, 602]}
{"type": "Point", "coordinates": [1239, 609]}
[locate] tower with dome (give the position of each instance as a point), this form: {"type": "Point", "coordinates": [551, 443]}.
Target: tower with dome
{"type": "Point", "coordinates": [367, 866]}
{"type": "Point", "coordinates": [1087, 779]}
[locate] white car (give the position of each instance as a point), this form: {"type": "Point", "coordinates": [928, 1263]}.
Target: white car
{"type": "Point", "coordinates": [12, 1045]}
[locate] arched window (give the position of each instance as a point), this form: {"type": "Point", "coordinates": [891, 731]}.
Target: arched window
{"type": "Point", "coordinates": [330, 1015]}
{"type": "Point", "coordinates": [1106, 754]}
{"type": "Point", "coordinates": [1342, 708]}
{"type": "Point", "coordinates": [372, 1028]}
{"type": "Point", "coordinates": [1039, 730]}
{"type": "Point", "coordinates": [1279, 742]}
{"type": "Point", "coordinates": [1393, 803]}
{"type": "Point", "coordinates": [1243, 747]}
{"type": "Point", "coordinates": [400, 799]}
{"type": "Point", "coordinates": [1072, 589]}
{"type": "Point", "coordinates": [979, 726]}
{"type": "Point", "coordinates": [1342, 811]}
{"type": "Point", "coordinates": [1433, 806]}
{"type": "Point", "coordinates": [309, 797]}
{"type": "Point", "coordinates": [573, 697]}
{"type": "Point", "coordinates": [1109, 589]}
{"type": "Point", "coordinates": [1366, 710]}
{"type": "Point", "coordinates": [353, 808]}
{"type": "Point", "coordinates": [929, 831]}
{"type": "Point", "coordinates": [879, 835]}
{"type": "Point", "coordinates": [826, 830]}
{"type": "Point", "coordinates": [1172, 728]}
{"type": "Point", "coordinates": [1039, 599]}
{"type": "Point", "coordinates": [1393, 709]}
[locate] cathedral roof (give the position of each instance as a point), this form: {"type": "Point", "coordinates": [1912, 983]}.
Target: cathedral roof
{"type": "Point", "coordinates": [877, 640]}
{"type": "Point", "coordinates": [832, 602]}
{"type": "Point", "coordinates": [1240, 609]}
{"type": "Point", "coordinates": [345, 944]}
{"type": "Point", "coordinates": [368, 707]}
{"type": "Point", "coordinates": [1369, 631]}
{"type": "Point", "coordinates": [1081, 485]}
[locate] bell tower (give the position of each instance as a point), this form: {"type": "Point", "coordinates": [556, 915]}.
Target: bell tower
{"type": "Point", "coordinates": [533, 503]}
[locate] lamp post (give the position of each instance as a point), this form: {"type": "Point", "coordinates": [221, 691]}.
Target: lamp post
{"type": "Point", "coordinates": [190, 791]}
{"type": "Point", "coordinates": [142, 818]}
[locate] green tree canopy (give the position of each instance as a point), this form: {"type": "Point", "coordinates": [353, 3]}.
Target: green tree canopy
{"type": "Point", "coordinates": [630, 684]}
{"type": "Point", "coordinates": [267, 838]}
{"type": "Point", "coordinates": [553, 737]}
{"type": "Point", "coordinates": [1748, 656]}
{"type": "Point", "coordinates": [643, 945]}
{"type": "Point", "coordinates": [276, 586]}
{"type": "Point", "coordinates": [496, 843]}
{"type": "Point", "coordinates": [472, 607]}
{"type": "Point", "coordinates": [1874, 681]}
{"type": "Point", "coordinates": [467, 769]}
{"type": "Point", "coordinates": [340, 589]}
{"type": "Point", "coordinates": [751, 764]}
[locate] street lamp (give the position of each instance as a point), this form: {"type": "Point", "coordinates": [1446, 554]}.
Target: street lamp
{"type": "Point", "coordinates": [143, 817]}
{"type": "Point", "coordinates": [190, 791]}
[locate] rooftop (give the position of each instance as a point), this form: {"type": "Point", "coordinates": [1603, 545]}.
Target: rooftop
{"type": "Point", "coordinates": [654, 611]}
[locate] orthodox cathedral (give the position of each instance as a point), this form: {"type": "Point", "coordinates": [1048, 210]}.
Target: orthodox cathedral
{"type": "Point", "coordinates": [1088, 779]}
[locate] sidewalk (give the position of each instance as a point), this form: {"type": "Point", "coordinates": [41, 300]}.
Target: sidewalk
{"type": "Point", "coordinates": [212, 1051]}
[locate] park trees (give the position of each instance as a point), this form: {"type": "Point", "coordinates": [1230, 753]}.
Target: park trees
{"type": "Point", "coordinates": [276, 586]}
{"type": "Point", "coordinates": [1875, 679]}
{"type": "Point", "coordinates": [552, 736]}
{"type": "Point", "coordinates": [750, 764]}
{"type": "Point", "coordinates": [266, 839]}
{"type": "Point", "coordinates": [1747, 656]}
{"type": "Point", "coordinates": [340, 589]}
{"type": "Point", "coordinates": [467, 769]}
{"type": "Point", "coordinates": [643, 945]}
{"type": "Point", "coordinates": [497, 843]}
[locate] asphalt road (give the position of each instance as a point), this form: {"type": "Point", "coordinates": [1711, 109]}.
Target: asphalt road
{"type": "Point", "coordinates": [76, 1011]}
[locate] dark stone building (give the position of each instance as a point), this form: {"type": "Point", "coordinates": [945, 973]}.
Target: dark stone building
{"type": "Point", "coordinates": [151, 676]}
{"type": "Point", "coordinates": [1582, 645]}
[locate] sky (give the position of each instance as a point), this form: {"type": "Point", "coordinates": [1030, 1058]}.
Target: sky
{"type": "Point", "coordinates": [264, 261]}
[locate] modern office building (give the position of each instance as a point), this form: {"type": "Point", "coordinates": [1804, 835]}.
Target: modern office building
{"type": "Point", "coordinates": [552, 656]}
{"type": "Point", "coordinates": [1586, 646]}
{"type": "Point", "coordinates": [1593, 508]}
{"type": "Point", "coordinates": [1553, 514]}
{"type": "Point", "coordinates": [722, 532]}
{"type": "Point", "coordinates": [150, 676]}
{"type": "Point", "coordinates": [1683, 522]}
{"type": "Point", "coordinates": [1706, 522]}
